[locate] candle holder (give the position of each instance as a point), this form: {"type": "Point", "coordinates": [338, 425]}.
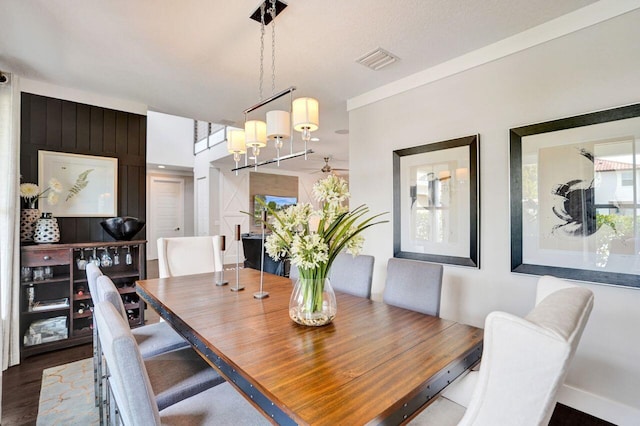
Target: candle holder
{"type": "Point", "coordinates": [221, 281]}
{"type": "Point", "coordinates": [262, 294]}
{"type": "Point", "coordinates": [238, 287]}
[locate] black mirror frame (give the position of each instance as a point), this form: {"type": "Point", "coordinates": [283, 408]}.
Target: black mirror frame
{"type": "Point", "coordinates": [473, 259]}
{"type": "Point", "coordinates": [516, 135]}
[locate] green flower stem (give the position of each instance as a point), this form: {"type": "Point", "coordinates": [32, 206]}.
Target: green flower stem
{"type": "Point", "coordinates": [312, 283]}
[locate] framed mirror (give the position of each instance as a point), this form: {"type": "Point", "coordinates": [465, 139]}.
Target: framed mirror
{"type": "Point", "coordinates": [575, 189]}
{"type": "Point", "coordinates": [436, 202]}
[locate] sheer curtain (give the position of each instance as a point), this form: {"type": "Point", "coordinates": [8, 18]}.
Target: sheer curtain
{"type": "Point", "coordinates": [9, 222]}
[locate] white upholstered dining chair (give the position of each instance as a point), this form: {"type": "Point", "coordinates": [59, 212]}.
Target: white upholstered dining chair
{"type": "Point", "coordinates": [189, 255]}
{"type": "Point", "coordinates": [135, 393]}
{"type": "Point", "coordinates": [524, 363]}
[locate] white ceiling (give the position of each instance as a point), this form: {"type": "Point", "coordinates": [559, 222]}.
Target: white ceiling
{"type": "Point", "coordinates": [200, 58]}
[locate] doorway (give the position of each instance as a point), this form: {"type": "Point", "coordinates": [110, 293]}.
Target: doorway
{"type": "Point", "coordinates": [166, 213]}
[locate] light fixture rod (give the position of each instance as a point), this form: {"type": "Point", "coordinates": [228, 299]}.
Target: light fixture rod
{"type": "Point", "coordinates": [274, 160]}
{"type": "Point", "coordinates": [269, 99]}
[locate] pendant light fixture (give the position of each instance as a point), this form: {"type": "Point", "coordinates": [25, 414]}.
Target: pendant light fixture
{"type": "Point", "coordinates": [236, 145]}
{"type": "Point", "coordinates": [255, 136]}
{"type": "Point", "coordinates": [278, 125]}
{"type": "Point", "coordinates": [278, 128]}
{"type": "Point", "coordinates": [305, 118]}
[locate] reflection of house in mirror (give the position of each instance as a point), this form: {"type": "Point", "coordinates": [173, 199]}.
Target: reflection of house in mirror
{"type": "Point", "coordinates": [614, 184]}
{"type": "Point", "coordinates": [614, 199]}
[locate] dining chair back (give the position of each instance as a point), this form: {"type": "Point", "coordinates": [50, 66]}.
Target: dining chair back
{"type": "Point", "coordinates": [132, 385]}
{"type": "Point", "coordinates": [294, 274]}
{"type": "Point", "coordinates": [352, 275]}
{"type": "Point", "coordinates": [107, 291]}
{"type": "Point", "coordinates": [413, 285]}
{"type": "Point", "coordinates": [93, 272]}
{"type": "Point", "coordinates": [515, 383]}
{"type": "Point", "coordinates": [548, 284]}
{"type": "Point", "coordinates": [128, 378]}
{"type": "Point", "coordinates": [189, 255]}
{"type": "Point", "coordinates": [152, 339]}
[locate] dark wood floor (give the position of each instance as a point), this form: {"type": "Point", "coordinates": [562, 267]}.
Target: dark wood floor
{"type": "Point", "coordinates": [21, 384]}
{"type": "Point", "coordinates": [21, 391]}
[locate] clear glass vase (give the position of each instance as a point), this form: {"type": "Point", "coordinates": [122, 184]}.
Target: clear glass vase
{"type": "Point", "coordinates": [313, 302]}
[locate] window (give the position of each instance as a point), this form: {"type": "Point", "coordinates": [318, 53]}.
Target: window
{"type": "Point", "coordinates": [202, 135]}
{"type": "Point", "coordinates": [626, 178]}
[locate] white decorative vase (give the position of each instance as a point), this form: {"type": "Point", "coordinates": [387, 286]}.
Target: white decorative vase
{"type": "Point", "coordinates": [28, 218]}
{"type": "Point", "coordinates": [47, 230]}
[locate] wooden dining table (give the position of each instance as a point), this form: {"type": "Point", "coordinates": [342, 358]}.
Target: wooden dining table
{"type": "Point", "coordinates": [374, 364]}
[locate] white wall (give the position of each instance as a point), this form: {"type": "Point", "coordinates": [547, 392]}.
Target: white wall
{"type": "Point", "coordinates": [202, 182]}
{"type": "Point", "coordinates": [81, 96]}
{"type": "Point", "coordinates": [591, 69]}
{"type": "Point", "coordinates": [169, 140]}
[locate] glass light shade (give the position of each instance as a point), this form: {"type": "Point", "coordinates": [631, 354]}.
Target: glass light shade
{"type": "Point", "coordinates": [462, 174]}
{"type": "Point", "coordinates": [305, 114]}
{"type": "Point", "coordinates": [278, 124]}
{"type": "Point", "coordinates": [235, 142]}
{"type": "Point", "coordinates": [444, 174]}
{"type": "Point", "coordinates": [255, 133]}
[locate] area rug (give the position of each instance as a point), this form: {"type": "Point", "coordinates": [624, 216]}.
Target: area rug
{"type": "Point", "coordinates": [66, 397]}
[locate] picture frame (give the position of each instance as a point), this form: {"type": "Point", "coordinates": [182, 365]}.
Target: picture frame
{"type": "Point", "coordinates": [89, 184]}
{"type": "Point", "coordinates": [436, 202]}
{"type": "Point", "coordinates": [575, 185]}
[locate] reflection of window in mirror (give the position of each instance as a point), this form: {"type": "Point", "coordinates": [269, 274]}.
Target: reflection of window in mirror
{"type": "Point", "coordinates": [626, 178]}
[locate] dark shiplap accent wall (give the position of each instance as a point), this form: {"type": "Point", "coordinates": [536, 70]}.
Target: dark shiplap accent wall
{"type": "Point", "coordinates": [58, 125]}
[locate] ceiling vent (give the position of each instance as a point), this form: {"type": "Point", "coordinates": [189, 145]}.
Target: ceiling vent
{"type": "Point", "coordinates": [377, 59]}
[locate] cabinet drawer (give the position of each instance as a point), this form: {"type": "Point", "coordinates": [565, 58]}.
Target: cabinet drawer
{"type": "Point", "coordinates": [45, 257]}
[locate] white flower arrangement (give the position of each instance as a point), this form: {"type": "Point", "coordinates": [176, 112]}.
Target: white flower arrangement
{"type": "Point", "coordinates": [313, 238]}
{"type": "Point", "coordinates": [30, 192]}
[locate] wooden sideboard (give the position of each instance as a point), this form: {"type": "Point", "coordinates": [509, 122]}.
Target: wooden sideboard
{"type": "Point", "coordinates": [56, 310]}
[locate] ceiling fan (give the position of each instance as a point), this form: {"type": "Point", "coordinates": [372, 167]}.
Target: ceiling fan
{"type": "Point", "coordinates": [328, 169]}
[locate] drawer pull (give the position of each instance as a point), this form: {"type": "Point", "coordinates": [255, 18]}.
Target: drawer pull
{"type": "Point", "coordinates": [47, 257]}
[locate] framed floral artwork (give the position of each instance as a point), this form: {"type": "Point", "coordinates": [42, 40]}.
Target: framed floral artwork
{"type": "Point", "coordinates": [89, 184]}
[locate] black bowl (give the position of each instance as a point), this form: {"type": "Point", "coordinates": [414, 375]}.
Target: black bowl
{"type": "Point", "coordinates": [123, 228]}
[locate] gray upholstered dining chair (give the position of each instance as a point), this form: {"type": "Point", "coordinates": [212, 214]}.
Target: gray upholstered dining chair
{"type": "Point", "coordinates": [135, 393]}
{"type": "Point", "coordinates": [154, 339]}
{"type": "Point", "coordinates": [413, 285]}
{"type": "Point", "coordinates": [524, 363]}
{"type": "Point", "coordinates": [352, 275]}
{"type": "Point", "coordinates": [189, 255]}
{"type": "Point", "coordinates": [348, 274]}
{"type": "Point", "coordinates": [174, 375]}
{"type": "Point", "coordinates": [294, 274]}
{"type": "Point", "coordinates": [93, 272]}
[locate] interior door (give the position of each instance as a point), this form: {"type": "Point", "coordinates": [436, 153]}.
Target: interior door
{"type": "Point", "coordinates": [166, 214]}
